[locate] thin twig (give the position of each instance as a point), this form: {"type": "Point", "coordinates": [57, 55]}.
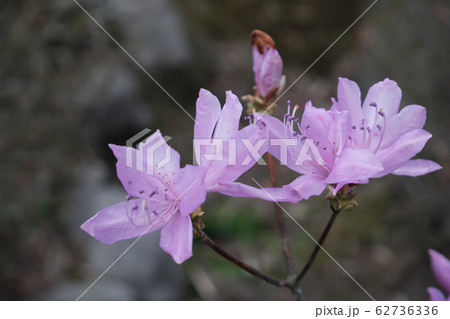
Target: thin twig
{"type": "Point", "coordinates": [239, 263]}
{"type": "Point", "coordinates": [318, 246]}
{"type": "Point", "coordinates": [280, 219]}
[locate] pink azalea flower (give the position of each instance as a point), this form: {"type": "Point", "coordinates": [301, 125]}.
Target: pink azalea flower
{"type": "Point", "coordinates": [162, 200]}
{"type": "Point", "coordinates": [165, 198]}
{"type": "Point", "coordinates": [268, 68]}
{"type": "Point", "coordinates": [351, 143]}
{"type": "Point", "coordinates": [441, 270]}
{"type": "Point", "coordinates": [316, 148]}
{"type": "Point", "coordinates": [393, 137]}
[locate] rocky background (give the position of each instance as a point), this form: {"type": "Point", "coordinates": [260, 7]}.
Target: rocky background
{"type": "Point", "coordinates": [67, 90]}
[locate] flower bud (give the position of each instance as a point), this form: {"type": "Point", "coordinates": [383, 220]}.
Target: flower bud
{"type": "Point", "coordinates": [267, 65]}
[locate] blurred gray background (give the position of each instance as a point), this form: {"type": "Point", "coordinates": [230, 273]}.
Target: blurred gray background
{"type": "Point", "coordinates": [67, 90]}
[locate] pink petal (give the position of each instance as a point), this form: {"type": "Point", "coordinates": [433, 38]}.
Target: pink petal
{"type": "Point", "coordinates": [349, 99]}
{"type": "Point", "coordinates": [435, 294]}
{"type": "Point", "coordinates": [136, 168]}
{"type": "Point", "coordinates": [228, 123]}
{"type": "Point", "coordinates": [417, 167]}
{"type": "Point", "coordinates": [387, 95]}
{"type": "Point", "coordinates": [441, 269]}
{"type": "Point", "coordinates": [315, 123]}
{"type": "Point", "coordinates": [236, 189]}
{"type": "Point", "coordinates": [176, 238]}
{"type": "Point", "coordinates": [160, 159]}
{"type": "Point", "coordinates": [271, 71]}
{"type": "Point", "coordinates": [307, 185]}
{"type": "Point", "coordinates": [402, 150]}
{"type": "Point", "coordinates": [258, 59]}
{"type": "Point", "coordinates": [237, 157]}
{"type": "Point", "coordinates": [354, 164]}
{"type": "Point", "coordinates": [206, 115]}
{"type": "Point", "coordinates": [409, 118]}
{"type": "Point", "coordinates": [125, 220]}
{"type": "Point", "coordinates": [190, 188]}
{"type": "Point", "coordinates": [338, 136]}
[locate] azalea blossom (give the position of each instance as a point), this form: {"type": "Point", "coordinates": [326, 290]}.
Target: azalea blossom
{"type": "Point", "coordinates": [393, 136]}
{"type": "Point", "coordinates": [441, 270]}
{"type": "Point", "coordinates": [165, 198]}
{"type": "Point", "coordinates": [355, 143]}
{"type": "Point", "coordinates": [267, 65]}
{"type": "Point", "coordinates": [162, 200]}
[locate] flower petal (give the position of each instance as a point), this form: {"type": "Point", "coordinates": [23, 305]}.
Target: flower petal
{"type": "Point", "coordinates": [307, 185]}
{"type": "Point", "coordinates": [236, 189]}
{"type": "Point", "coordinates": [258, 59]}
{"type": "Point", "coordinates": [150, 166]}
{"type": "Point", "coordinates": [239, 154]}
{"type": "Point", "coordinates": [435, 294]}
{"type": "Point", "coordinates": [417, 167]}
{"type": "Point", "coordinates": [271, 70]}
{"type": "Point", "coordinates": [349, 99]}
{"type": "Point", "coordinates": [387, 95]}
{"type": "Point", "coordinates": [402, 150]}
{"type": "Point", "coordinates": [409, 118]}
{"type": "Point", "coordinates": [206, 115]}
{"type": "Point", "coordinates": [354, 164]}
{"type": "Point", "coordinates": [441, 269]}
{"type": "Point", "coordinates": [125, 220]}
{"type": "Point", "coordinates": [315, 123]}
{"type": "Point", "coordinates": [190, 188]}
{"type": "Point", "coordinates": [176, 238]}
{"type": "Point", "coordinates": [228, 122]}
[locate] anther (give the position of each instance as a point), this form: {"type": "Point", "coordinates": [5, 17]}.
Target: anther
{"type": "Point", "coordinates": [373, 104]}
{"type": "Point", "coordinates": [307, 127]}
{"type": "Point", "coordinates": [379, 127]}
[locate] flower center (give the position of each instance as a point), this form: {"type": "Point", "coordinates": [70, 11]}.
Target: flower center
{"type": "Point", "coordinates": [376, 129]}
{"type": "Point", "coordinates": [149, 208]}
{"type": "Point", "coordinates": [290, 119]}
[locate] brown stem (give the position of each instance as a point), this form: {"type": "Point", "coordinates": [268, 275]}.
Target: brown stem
{"type": "Point", "coordinates": [318, 246]}
{"type": "Point", "coordinates": [239, 263]}
{"type": "Point", "coordinates": [280, 218]}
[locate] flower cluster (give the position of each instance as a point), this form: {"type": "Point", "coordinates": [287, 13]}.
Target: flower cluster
{"type": "Point", "coordinates": [338, 148]}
